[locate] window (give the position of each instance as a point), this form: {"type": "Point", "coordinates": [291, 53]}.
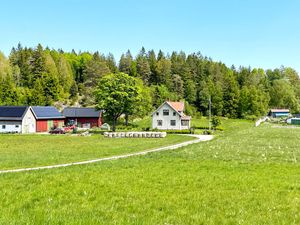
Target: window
{"type": "Point", "coordinates": [159, 122]}
{"type": "Point", "coordinates": [165, 112]}
{"type": "Point", "coordinates": [173, 122]}
{"type": "Point", "coordinates": [185, 123]}
{"type": "Point", "coordinates": [174, 113]}
{"type": "Point", "coordinates": [17, 126]}
{"type": "Point", "coordinates": [157, 113]}
{"type": "Point", "coordinates": [3, 127]}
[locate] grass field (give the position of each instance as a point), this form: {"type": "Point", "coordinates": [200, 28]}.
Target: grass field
{"type": "Point", "coordinates": [18, 151]}
{"type": "Point", "coordinates": [246, 175]}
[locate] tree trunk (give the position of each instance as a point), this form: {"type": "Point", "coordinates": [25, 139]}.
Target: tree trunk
{"type": "Point", "coordinates": [114, 125]}
{"type": "Point", "coordinates": [126, 119]}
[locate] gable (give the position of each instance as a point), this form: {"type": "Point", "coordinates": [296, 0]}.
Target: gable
{"type": "Point", "coordinates": [169, 105]}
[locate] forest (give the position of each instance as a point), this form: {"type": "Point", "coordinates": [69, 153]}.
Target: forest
{"type": "Point", "coordinates": [44, 76]}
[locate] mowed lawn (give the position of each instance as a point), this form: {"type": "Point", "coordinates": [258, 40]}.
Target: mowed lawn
{"type": "Point", "coordinates": [18, 151]}
{"type": "Point", "coordinates": [246, 175]}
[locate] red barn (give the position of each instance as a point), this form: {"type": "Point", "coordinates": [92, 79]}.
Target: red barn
{"type": "Point", "coordinates": [83, 117]}
{"type": "Point", "coordinates": [47, 118]}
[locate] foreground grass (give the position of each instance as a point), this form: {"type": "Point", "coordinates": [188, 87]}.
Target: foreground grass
{"type": "Point", "coordinates": [246, 175]}
{"type": "Point", "coordinates": [19, 151]}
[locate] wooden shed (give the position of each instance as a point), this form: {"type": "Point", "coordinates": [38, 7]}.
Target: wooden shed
{"type": "Point", "coordinates": [47, 118]}
{"type": "Point", "coordinates": [277, 113]}
{"type": "Point", "coordinates": [83, 117]}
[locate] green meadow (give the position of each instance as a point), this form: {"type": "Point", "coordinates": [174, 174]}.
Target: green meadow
{"type": "Point", "coordinates": [20, 151]}
{"type": "Point", "coordinates": [246, 175]}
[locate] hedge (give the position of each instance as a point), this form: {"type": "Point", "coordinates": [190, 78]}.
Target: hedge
{"type": "Point", "coordinates": [207, 128]}
{"type": "Point", "coordinates": [178, 131]}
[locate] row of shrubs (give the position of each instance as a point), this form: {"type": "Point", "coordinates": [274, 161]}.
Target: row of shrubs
{"type": "Point", "coordinates": [191, 131]}
{"type": "Point", "coordinates": [178, 131]}
{"type": "Point", "coordinates": [219, 128]}
{"type": "Point", "coordinates": [188, 131]}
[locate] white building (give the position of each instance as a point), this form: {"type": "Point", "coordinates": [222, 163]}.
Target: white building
{"type": "Point", "coordinates": [17, 119]}
{"type": "Point", "coordinates": [170, 116]}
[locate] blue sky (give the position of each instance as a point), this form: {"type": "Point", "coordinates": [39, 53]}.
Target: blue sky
{"type": "Point", "coordinates": [256, 33]}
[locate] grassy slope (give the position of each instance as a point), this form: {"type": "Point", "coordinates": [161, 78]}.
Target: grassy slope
{"type": "Point", "coordinates": [245, 176]}
{"type": "Point", "coordinates": [17, 151]}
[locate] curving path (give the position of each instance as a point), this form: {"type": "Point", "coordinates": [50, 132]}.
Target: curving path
{"type": "Point", "coordinates": [170, 147]}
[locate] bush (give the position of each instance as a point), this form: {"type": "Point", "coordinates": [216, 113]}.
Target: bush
{"type": "Point", "coordinates": [220, 128]}
{"type": "Point", "coordinates": [215, 122]}
{"type": "Point", "coordinates": [97, 131]}
{"type": "Point", "coordinates": [146, 129]}
{"type": "Point", "coordinates": [207, 132]}
{"type": "Point", "coordinates": [251, 117]}
{"type": "Point", "coordinates": [178, 131]}
{"type": "Point", "coordinates": [128, 127]}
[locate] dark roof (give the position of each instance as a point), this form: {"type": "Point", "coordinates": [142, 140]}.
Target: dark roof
{"type": "Point", "coordinates": [12, 112]}
{"type": "Point", "coordinates": [81, 112]}
{"type": "Point", "coordinates": [46, 112]}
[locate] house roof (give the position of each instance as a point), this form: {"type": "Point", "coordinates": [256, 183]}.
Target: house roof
{"type": "Point", "coordinates": [81, 112]}
{"type": "Point", "coordinates": [279, 110]}
{"type": "Point", "coordinates": [178, 106]}
{"type": "Point", "coordinates": [12, 112]}
{"type": "Point", "coordinates": [46, 112]}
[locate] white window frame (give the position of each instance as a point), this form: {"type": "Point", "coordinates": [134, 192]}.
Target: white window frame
{"type": "Point", "coordinates": [166, 112]}
{"type": "Point", "coordinates": [159, 123]}
{"type": "Point", "coordinates": [185, 121]}
{"type": "Point", "coordinates": [173, 125]}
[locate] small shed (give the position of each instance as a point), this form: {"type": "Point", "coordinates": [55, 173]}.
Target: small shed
{"type": "Point", "coordinates": [277, 113]}
{"type": "Point", "coordinates": [83, 117]}
{"type": "Point", "coordinates": [17, 119]}
{"type": "Point", "coordinates": [295, 121]}
{"type": "Point", "coordinates": [47, 117]}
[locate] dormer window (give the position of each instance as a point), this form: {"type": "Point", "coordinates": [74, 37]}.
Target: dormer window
{"type": "Point", "coordinates": [165, 112]}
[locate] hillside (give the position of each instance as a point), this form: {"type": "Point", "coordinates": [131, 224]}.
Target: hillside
{"type": "Point", "coordinates": [43, 76]}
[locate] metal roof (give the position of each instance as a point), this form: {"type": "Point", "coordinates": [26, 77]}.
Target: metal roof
{"type": "Point", "coordinates": [179, 106]}
{"type": "Point", "coordinates": [81, 112]}
{"type": "Point", "coordinates": [12, 112]}
{"type": "Point", "coordinates": [280, 110]}
{"type": "Point", "coordinates": [46, 112]}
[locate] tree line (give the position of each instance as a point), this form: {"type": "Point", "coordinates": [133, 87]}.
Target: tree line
{"type": "Point", "coordinates": [43, 76]}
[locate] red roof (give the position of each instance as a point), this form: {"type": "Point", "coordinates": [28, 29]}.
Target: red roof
{"type": "Point", "coordinates": [179, 106]}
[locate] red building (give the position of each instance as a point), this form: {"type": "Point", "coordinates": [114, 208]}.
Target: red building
{"type": "Point", "coordinates": [47, 118]}
{"type": "Point", "coordinates": [83, 117]}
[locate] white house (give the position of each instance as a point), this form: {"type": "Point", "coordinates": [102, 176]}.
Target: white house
{"type": "Point", "coordinates": [17, 119]}
{"type": "Point", "coordinates": [170, 116]}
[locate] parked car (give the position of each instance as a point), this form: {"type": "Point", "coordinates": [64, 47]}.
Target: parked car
{"type": "Point", "coordinates": [57, 131]}
{"type": "Point", "coordinates": [69, 128]}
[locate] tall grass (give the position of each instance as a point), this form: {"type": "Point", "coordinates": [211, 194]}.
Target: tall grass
{"type": "Point", "coordinates": [246, 175]}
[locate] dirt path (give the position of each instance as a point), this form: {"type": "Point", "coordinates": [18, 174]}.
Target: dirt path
{"type": "Point", "coordinates": [170, 147]}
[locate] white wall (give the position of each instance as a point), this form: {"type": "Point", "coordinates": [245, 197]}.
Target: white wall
{"type": "Point", "coordinates": [166, 120]}
{"type": "Point", "coordinates": [10, 126]}
{"type": "Point", "coordinates": [28, 123]}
